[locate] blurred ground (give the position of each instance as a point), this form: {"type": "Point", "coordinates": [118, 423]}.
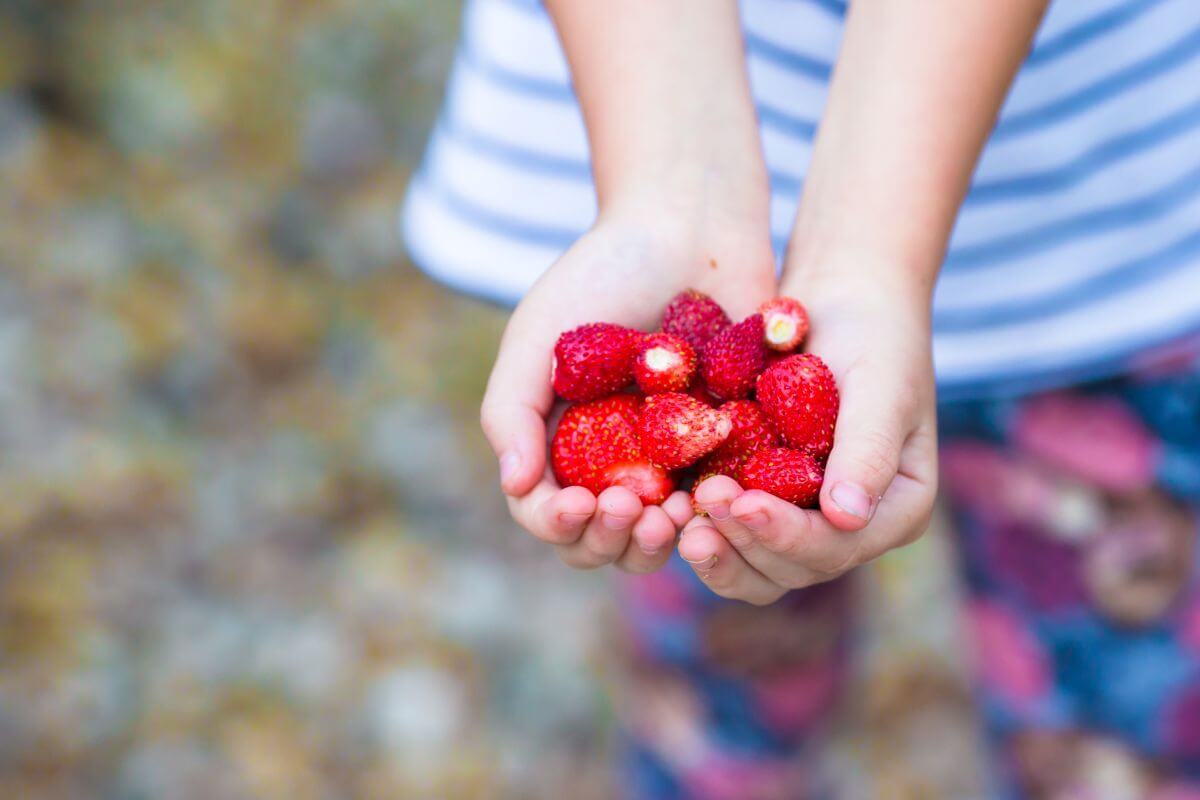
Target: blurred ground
{"type": "Point", "coordinates": [249, 540]}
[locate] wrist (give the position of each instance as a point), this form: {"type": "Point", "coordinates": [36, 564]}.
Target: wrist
{"type": "Point", "coordinates": [695, 189]}
{"type": "Point", "coordinates": [855, 278]}
{"type": "Point", "coordinates": [703, 221]}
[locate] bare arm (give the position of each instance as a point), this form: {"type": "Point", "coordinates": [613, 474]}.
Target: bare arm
{"type": "Point", "coordinates": [666, 99]}
{"type": "Point", "coordinates": [915, 93]}
{"type": "Point", "coordinates": [683, 202]}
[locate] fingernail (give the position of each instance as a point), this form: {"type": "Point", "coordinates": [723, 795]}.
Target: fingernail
{"type": "Point", "coordinates": [704, 563]}
{"type": "Point", "coordinates": [510, 462]}
{"type": "Point", "coordinates": [852, 499]}
{"type": "Point", "coordinates": [718, 511]}
{"type": "Point", "coordinates": [613, 523]}
{"type": "Point", "coordinates": [754, 520]}
{"type": "Point", "coordinates": [572, 518]}
{"type": "Point", "coordinates": [649, 549]}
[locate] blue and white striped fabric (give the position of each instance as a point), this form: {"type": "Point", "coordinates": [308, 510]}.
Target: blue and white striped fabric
{"type": "Point", "coordinates": [1078, 246]}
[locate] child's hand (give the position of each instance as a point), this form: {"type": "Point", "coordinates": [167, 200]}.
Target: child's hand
{"type": "Point", "coordinates": [624, 270]}
{"type": "Point", "coordinates": [881, 477]}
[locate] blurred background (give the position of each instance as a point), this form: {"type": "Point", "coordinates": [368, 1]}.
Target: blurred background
{"type": "Point", "coordinates": [250, 540]}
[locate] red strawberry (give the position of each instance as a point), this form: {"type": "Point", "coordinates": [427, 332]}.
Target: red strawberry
{"type": "Point", "coordinates": [676, 429]}
{"type": "Point", "coordinates": [595, 446]}
{"type": "Point", "coordinates": [664, 363]}
{"type": "Point", "coordinates": [594, 360]}
{"type": "Point", "coordinates": [750, 433]}
{"type": "Point", "coordinates": [732, 359]}
{"type": "Point", "coordinates": [694, 317]}
{"type": "Point", "coordinates": [791, 475]}
{"type": "Point", "coordinates": [751, 430]}
{"type": "Point", "coordinates": [785, 322]}
{"type": "Point", "coordinates": [652, 484]}
{"type": "Point", "coordinates": [720, 462]}
{"type": "Point", "coordinates": [800, 398]}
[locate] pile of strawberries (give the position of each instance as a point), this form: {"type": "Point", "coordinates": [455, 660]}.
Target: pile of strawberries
{"type": "Point", "coordinates": [714, 398]}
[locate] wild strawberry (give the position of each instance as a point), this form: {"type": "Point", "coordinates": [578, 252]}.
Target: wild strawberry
{"type": "Point", "coordinates": [750, 433]}
{"type": "Point", "coordinates": [595, 446]}
{"type": "Point", "coordinates": [791, 475]}
{"type": "Point", "coordinates": [651, 483]}
{"type": "Point", "coordinates": [664, 363]}
{"type": "Point", "coordinates": [593, 435]}
{"type": "Point", "coordinates": [676, 429]}
{"type": "Point", "coordinates": [733, 358]}
{"type": "Point", "coordinates": [694, 317]}
{"type": "Point", "coordinates": [785, 323]}
{"type": "Point", "coordinates": [720, 462]}
{"type": "Point", "coordinates": [751, 429]}
{"type": "Point", "coordinates": [800, 398]}
{"type": "Point", "coordinates": [594, 360]}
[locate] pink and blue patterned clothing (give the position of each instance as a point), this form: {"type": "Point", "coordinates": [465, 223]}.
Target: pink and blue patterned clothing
{"type": "Point", "coordinates": [1076, 516]}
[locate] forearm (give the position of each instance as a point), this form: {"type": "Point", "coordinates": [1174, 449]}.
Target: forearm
{"type": "Point", "coordinates": [667, 104]}
{"type": "Point", "coordinates": [916, 92]}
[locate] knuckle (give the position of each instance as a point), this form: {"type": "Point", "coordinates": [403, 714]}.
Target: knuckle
{"type": "Point", "coordinates": [739, 537]}
{"type": "Point", "coordinates": [780, 540]}
{"type": "Point", "coordinates": [874, 458]}
{"type": "Point", "coordinates": [836, 564]}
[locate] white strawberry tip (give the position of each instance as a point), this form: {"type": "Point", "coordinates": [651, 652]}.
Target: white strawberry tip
{"type": "Point", "coordinates": [661, 359]}
{"type": "Point", "coordinates": [780, 331]}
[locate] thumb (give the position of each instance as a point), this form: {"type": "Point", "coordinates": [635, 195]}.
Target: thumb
{"type": "Point", "coordinates": [514, 409]}
{"type": "Point", "coordinates": [866, 452]}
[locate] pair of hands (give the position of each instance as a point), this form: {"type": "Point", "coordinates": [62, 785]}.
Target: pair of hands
{"type": "Point", "coordinates": [868, 323]}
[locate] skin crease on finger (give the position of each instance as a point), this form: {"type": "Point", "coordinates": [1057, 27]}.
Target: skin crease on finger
{"type": "Point", "coordinates": [721, 567]}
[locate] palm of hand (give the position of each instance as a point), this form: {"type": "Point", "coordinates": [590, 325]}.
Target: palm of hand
{"type": "Point", "coordinates": [625, 275]}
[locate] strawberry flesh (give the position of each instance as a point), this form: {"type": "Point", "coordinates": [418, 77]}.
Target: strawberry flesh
{"type": "Point", "coordinates": [593, 361]}
{"type": "Point", "coordinates": [694, 317]}
{"type": "Point", "coordinates": [732, 360]}
{"type": "Point", "coordinates": [676, 430]}
{"type": "Point", "coordinates": [791, 475]}
{"type": "Point", "coordinates": [800, 398]}
{"type": "Point", "coordinates": [664, 363]}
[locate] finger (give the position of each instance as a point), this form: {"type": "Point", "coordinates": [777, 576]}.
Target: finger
{"type": "Point", "coordinates": [908, 505]}
{"type": "Point", "coordinates": [515, 406]}
{"type": "Point", "coordinates": [650, 545]}
{"type": "Point", "coordinates": [717, 496]}
{"type": "Point", "coordinates": [553, 515]}
{"type": "Point", "coordinates": [801, 536]}
{"type": "Point", "coordinates": [679, 508]}
{"type": "Point", "coordinates": [607, 535]}
{"type": "Point", "coordinates": [722, 568]}
{"type": "Point", "coordinates": [866, 448]}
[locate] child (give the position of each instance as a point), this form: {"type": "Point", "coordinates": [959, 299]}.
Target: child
{"type": "Point", "coordinates": [1069, 256]}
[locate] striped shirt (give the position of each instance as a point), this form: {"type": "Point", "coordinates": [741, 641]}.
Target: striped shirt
{"type": "Point", "coordinates": [1077, 248]}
